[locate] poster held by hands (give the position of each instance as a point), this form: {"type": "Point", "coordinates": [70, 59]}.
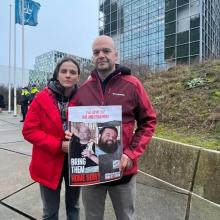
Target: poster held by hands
{"type": "Point", "coordinates": [96, 147]}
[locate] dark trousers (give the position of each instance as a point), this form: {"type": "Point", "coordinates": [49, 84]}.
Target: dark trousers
{"type": "Point", "coordinates": [51, 198]}
{"type": "Point", "coordinates": [24, 109]}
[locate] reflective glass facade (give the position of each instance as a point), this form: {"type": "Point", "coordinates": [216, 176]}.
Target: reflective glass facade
{"type": "Point", "coordinates": [182, 31]}
{"type": "Point", "coordinates": [192, 30]}
{"type": "Point", "coordinates": [157, 34]}
{"type": "Point", "coordinates": [210, 28]}
{"type": "Point", "coordinates": [45, 64]}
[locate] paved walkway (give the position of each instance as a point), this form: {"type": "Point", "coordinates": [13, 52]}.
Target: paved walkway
{"type": "Point", "coordinates": [20, 198]}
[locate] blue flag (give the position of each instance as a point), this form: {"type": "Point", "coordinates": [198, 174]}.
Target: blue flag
{"type": "Point", "coordinates": [31, 9]}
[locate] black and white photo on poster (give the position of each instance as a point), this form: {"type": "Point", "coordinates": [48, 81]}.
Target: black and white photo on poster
{"type": "Point", "coordinates": [96, 146]}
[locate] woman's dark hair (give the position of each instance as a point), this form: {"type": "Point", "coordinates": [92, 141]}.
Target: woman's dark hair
{"type": "Point", "coordinates": [65, 59]}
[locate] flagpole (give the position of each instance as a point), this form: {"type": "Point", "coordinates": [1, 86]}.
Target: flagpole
{"type": "Point", "coordinates": [9, 66]}
{"type": "Point", "coordinates": [22, 44]}
{"type": "Point", "coordinates": [31, 8]}
{"type": "Point", "coordinates": [15, 93]}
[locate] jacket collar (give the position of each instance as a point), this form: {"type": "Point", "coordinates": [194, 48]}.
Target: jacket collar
{"type": "Point", "coordinates": [120, 70]}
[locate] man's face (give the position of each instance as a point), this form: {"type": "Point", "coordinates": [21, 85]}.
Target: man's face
{"type": "Point", "coordinates": [108, 140]}
{"type": "Point", "coordinates": [104, 55]}
{"type": "Point", "coordinates": [84, 134]}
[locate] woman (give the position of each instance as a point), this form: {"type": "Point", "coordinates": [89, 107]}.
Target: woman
{"type": "Point", "coordinates": [44, 127]}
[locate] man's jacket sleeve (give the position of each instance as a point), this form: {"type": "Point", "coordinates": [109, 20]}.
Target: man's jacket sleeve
{"type": "Point", "coordinates": [146, 122]}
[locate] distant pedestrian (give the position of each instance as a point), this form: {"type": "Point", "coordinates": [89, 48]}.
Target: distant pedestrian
{"type": "Point", "coordinates": [34, 91]}
{"type": "Point", "coordinates": [24, 101]}
{"type": "Point", "coordinates": [2, 103]}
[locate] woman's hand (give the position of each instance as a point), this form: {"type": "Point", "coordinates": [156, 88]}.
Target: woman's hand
{"type": "Point", "coordinates": [68, 135]}
{"type": "Point", "coordinates": [65, 146]}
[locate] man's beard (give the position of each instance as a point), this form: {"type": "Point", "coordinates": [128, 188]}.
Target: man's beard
{"type": "Point", "coordinates": [108, 66]}
{"type": "Point", "coordinates": [108, 148]}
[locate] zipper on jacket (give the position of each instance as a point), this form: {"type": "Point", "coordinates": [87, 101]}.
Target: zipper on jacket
{"type": "Point", "coordinates": [108, 88]}
{"type": "Point", "coordinates": [102, 99]}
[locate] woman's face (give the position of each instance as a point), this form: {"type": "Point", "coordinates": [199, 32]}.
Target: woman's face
{"type": "Point", "coordinates": [68, 75]}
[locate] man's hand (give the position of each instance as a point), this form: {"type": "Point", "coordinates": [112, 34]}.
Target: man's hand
{"type": "Point", "coordinates": [87, 153]}
{"type": "Point", "coordinates": [90, 155]}
{"type": "Point", "coordinates": [65, 146]}
{"type": "Point", "coordinates": [125, 162]}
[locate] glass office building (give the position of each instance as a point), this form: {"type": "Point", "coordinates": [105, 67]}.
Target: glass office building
{"type": "Point", "coordinates": [45, 64]}
{"type": "Point", "coordinates": [158, 34]}
{"type": "Point", "coordinates": [192, 30]}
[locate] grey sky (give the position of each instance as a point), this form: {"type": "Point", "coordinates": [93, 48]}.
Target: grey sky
{"type": "Point", "coordinates": [65, 25]}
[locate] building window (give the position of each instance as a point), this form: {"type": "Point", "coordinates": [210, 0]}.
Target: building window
{"type": "Point", "coordinates": [183, 60]}
{"type": "Point", "coordinates": [183, 25]}
{"type": "Point", "coordinates": [183, 50]}
{"type": "Point", "coordinates": [170, 28]}
{"type": "Point", "coordinates": [183, 12]}
{"type": "Point", "coordinates": [170, 4]}
{"type": "Point", "coordinates": [170, 40]}
{"type": "Point", "coordinates": [170, 53]}
{"type": "Point", "coordinates": [194, 34]}
{"type": "Point", "coordinates": [107, 19]}
{"type": "Point", "coordinates": [183, 37]}
{"type": "Point", "coordinates": [170, 16]}
{"type": "Point", "coordinates": [194, 21]}
{"type": "Point", "coordinates": [182, 2]}
{"type": "Point", "coordinates": [114, 16]}
{"type": "Point", "coordinates": [107, 9]}
{"type": "Point", "coordinates": [114, 26]}
{"type": "Point", "coordinates": [107, 29]}
{"type": "Point", "coordinates": [194, 48]}
{"type": "Point", "coordinates": [194, 7]}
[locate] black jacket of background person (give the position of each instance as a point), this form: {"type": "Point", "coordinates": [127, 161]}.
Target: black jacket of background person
{"type": "Point", "coordinates": [76, 149]}
{"type": "Point", "coordinates": [24, 99]}
{"type": "Point", "coordinates": [2, 103]}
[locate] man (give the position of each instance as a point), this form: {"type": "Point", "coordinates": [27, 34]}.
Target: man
{"type": "Point", "coordinates": [82, 143]}
{"type": "Point", "coordinates": [112, 84]}
{"type": "Point", "coordinates": [109, 153]}
{"type": "Point", "coordinates": [107, 141]}
{"type": "Point", "coordinates": [24, 101]}
{"type": "Point", "coordinates": [34, 91]}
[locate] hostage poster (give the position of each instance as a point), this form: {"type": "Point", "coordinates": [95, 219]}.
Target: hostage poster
{"type": "Point", "coordinates": [95, 148]}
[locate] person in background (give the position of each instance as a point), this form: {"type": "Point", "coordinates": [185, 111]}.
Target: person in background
{"type": "Point", "coordinates": [2, 103]}
{"type": "Point", "coordinates": [113, 84]}
{"type": "Point", "coordinates": [44, 127]}
{"type": "Point", "coordinates": [34, 91]}
{"type": "Point", "coordinates": [24, 101]}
